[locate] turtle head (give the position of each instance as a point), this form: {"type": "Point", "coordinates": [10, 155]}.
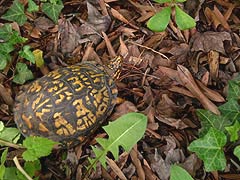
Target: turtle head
{"type": "Point", "coordinates": [114, 67]}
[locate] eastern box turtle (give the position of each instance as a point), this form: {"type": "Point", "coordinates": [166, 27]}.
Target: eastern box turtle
{"type": "Point", "coordinates": [69, 103]}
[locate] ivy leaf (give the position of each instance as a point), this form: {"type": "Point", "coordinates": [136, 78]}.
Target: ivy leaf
{"type": "Point", "coordinates": [125, 132]}
{"type": "Point", "coordinates": [52, 10]}
{"type": "Point", "coordinates": [27, 54]}
{"type": "Point", "coordinates": [23, 75]}
{"type": "Point", "coordinates": [5, 31]}
{"type": "Point", "coordinates": [233, 131]}
{"type": "Point", "coordinates": [160, 20]}
{"type": "Point", "coordinates": [3, 62]}
{"type": "Point", "coordinates": [183, 20]}
{"type": "Point", "coordinates": [211, 120]}
{"type": "Point", "coordinates": [236, 151]}
{"type": "Point", "coordinates": [16, 38]}
{"type": "Point", "coordinates": [210, 149]}
{"type": "Point", "coordinates": [234, 88]}
{"type": "Point", "coordinates": [16, 13]}
{"type": "Point", "coordinates": [231, 110]}
{"type": "Point", "coordinates": [32, 6]}
{"type": "Point", "coordinates": [178, 172]}
{"type": "Point", "coordinates": [37, 147]}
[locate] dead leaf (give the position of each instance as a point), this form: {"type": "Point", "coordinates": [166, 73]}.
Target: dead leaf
{"type": "Point", "coordinates": [213, 61]}
{"type": "Point", "coordinates": [208, 41]}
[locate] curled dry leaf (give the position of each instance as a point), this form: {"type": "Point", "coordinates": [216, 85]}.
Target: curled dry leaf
{"type": "Point", "coordinates": [213, 61]}
{"type": "Point", "coordinates": [187, 80]}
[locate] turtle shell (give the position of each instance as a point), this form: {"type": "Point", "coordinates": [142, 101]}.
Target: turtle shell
{"type": "Point", "coordinates": [67, 104]}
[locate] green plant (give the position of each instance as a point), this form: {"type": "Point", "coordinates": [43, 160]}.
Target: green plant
{"type": "Point", "coordinates": [161, 19]}
{"type": "Point", "coordinates": [218, 130]}
{"type": "Point", "coordinates": [178, 172]}
{"type": "Point", "coordinates": [35, 148]}
{"type": "Point", "coordinates": [126, 131]}
{"type": "Point", "coordinates": [52, 8]}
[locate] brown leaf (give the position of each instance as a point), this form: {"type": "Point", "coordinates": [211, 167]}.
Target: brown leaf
{"type": "Point", "coordinates": [208, 41]}
{"type": "Point", "coordinates": [187, 80]}
{"type": "Point", "coordinates": [213, 61]}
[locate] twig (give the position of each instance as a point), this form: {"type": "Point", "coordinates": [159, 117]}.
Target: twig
{"type": "Point", "coordinates": [19, 167]}
{"type": "Point", "coordinates": [11, 144]}
{"type": "Point", "coordinates": [150, 49]}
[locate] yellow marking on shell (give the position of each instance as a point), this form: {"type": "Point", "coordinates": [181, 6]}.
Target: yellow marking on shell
{"type": "Point", "coordinates": [102, 108]}
{"type": "Point", "coordinates": [61, 98]}
{"type": "Point", "coordinates": [43, 128]}
{"type": "Point", "coordinates": [37, 100]}
{"type": "Point", "coordinates": [40, 114]}
{"type": "Point", "coordinates": [61, 90]}
{"type": "Point", "coordinates": [43, 103]}
{"type": "Point", "coordinates": [105, 99]}
{"type": "Point", "coordinates": [72, 79]}
{"type": "Point", "coordinates": [97, 80]}
{"type": "Point", "coordinates": [54, 88]}
{"type": "Point", "coordinates": [27, 121]}
{"type": "Point", "coordinates": [35, 87]}
{"type": "Point", "coordinates": [65, 128]}
{"type": "Point", "coordinates": [94, 91]}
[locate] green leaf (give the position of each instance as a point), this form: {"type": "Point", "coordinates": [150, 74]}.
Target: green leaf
{"type": "Point", "coordinates": [233, 131]}
{"type": "Point", "coordinates": [3, 63]}
{"type": "Point", "coordinates": [125, 132]}
{"type": "Point", "coordinates": [177, 172]}
{"type": "Point", "coordinates": [37, 147]}
{"type": "Point", "coordinates": [210, 149]}
{"type": "Point", "coordinates": [180, 1]}
{"type": "Point", "coordinates": [209, 119]}
{"type": "Point", "coordinates": [11, 173]}
{"type": "Point", "coordinates": [9, 134]}
{"type": "Point", "coordinates": [231, 110]}
{"type": "Point", "coordinates": [27, 54]}
{"type": "Point", "coordinates": [5, 31]}
{"type": "Point", "coordinates": [234, 88]}
{"type": "Point", "coordinates": [159, 21]}
{"type": "Point", "coordinates": [23, 75]}
{"type": "Point", "coordinates": [183, 20]}
{"type": "Point", "coordinates": [31, 168]}
{"type": "Point", "coordinates": [236, 151]}
{"type": "Point", "coordinates": [16, 38]}
{"type": "Point", "coordinates": [52, 10]}
{"type": "Point", "coordinates": [32, 6]}
{"type": "Point", "coordinates": [2, 166]}
{"type": "Point", "coordinates": [163, 1]}
{"type": "Point", "coordinates": [16, 13]}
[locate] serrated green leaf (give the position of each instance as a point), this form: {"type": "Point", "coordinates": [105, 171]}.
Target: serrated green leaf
{"type": "Point", "coordinates": [52, 10]}
{"type": "Point", "coordinates": [183, 20]}
{"type": "Point", "coordinates": [5, 31]}
{"type": "Point", "coordinates": [31, 167]}
{"type": "Point", "coordinates": [236, 151]}
{"type": "Point", "coordinates": [210, 149]}
{"type": "Point", "coordinates": [124, 132]}
{"type": "Point", "coordinates": [9, 134]}
{"type": "Point", "coordinates": [234, 88]}
{"type": "Point", "coordinates": [233, 131]}
{"type": "Point", "coordinates": [160, 20]}
{"type": "Point", "coordinates": [16, 13]}
{"type": "Point", "coordinates": [177, 172]}
{"type": "Point", "coordinates": [32, 6]}
{"type": "Point", "coordinates": [23, 74]}
{"type": "Point", "coordinates": [27, 54]}
{"type": "Point", "coordinates": [209, 119]}
{"type": "Point", "coordinates": [37, 147]}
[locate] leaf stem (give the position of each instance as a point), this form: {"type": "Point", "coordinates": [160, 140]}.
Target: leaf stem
{"type": "Point", "coordinates": [9, 144]}
{"type": "Point", "coordinates": [19, 167]}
